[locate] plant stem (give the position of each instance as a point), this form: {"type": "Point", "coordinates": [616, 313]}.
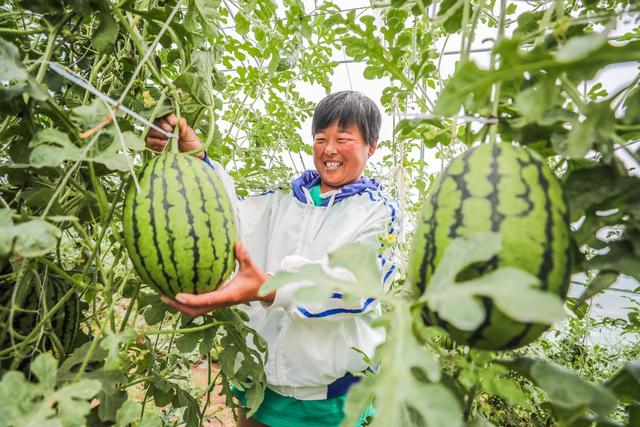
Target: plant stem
{"type": "Point", "coordinates": [573, 93]}
{"type": "Point", "coordinates": [103, 231]}
{"type": "Point", "coordinates": [148, 51]}
{"type": "Point", "coordinates": [210, 386]}
{"type": "Point", "coordinates": [90, 351]}
{"type": "Point", "coordinates": [175, 142]}
{"type": "Point", "coordinates": [135, 36]}
{"type": "Point", "coordinates": [44, 59]}
{"type": "Point", "coordinates": [493, 130]}
{"type": "Point", "coordinates": [185, 330]}
{"type": "Point", "coordinates": [132, 303]}
{"type": "Point", "coordinates": [17, 32]}
{"type": "Point", "coordinates": [469, 403]}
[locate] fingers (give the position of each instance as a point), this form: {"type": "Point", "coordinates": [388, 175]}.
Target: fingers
{"type": "Point", "coordinates": [156, 144]}
{"type": "Point", "coordinates": [171, 120]}
{"type": "Point", "coordinates": [153, 133]}
{"type": "Point", "coordinates": [157, 140]}
{"type": "Point", "coordinates": [242, 255]}
{"type": "Point", "coordinates": [201, 300]}
{"type": "Point", "coordinates": [191, 311]}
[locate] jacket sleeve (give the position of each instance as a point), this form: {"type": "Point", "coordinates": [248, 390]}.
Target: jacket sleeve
{"type": "Point", "coordinates": [381, 231]}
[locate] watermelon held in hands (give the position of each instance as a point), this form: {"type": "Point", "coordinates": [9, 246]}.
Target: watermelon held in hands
{"type": "Point", "coordinates": [180, 229]}
{"type": "Point", "coordinates": [511, 191]}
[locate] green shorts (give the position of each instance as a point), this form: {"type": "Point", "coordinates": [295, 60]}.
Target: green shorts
{"type": "Point", "coordinates": [281, 411]}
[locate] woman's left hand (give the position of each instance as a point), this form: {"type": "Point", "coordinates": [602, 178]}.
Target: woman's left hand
{"type": "Point", "coordinates": [242, 288]}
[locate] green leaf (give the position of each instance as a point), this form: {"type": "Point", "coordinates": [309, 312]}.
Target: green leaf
{"type": "Point", "coordinates": [73, 401]}
{"type": "Point", "coordinates": [242, 24]}
{"type": "Point", "coordinates": [112, 159]}
{"type": "Point", "coordinates": [45, 368]}
{"type": "Point", "coordinates": [207, 9]}
{"type": "Point", "coordinates": [128, 412]}
{"type": "Point", "coordinates": [112, 343]}
{"type": "Point", "coordinates": [580, 47]}
{"type": "Point", "coordinates": [632, 107]}
{"type": "Point", "coordinates": [494, 382]}
{"type": "Point", "coordinates": [161, 390]}
{"type": "Point", "coordinates": [453, 10]}
{"type": "Point", "coordinates": [7, 234]}
{"type": "Point", "coordinates": [150, 420]}
{"type": "Point", "coordinates": [479, 422]}
{"type": "Point", "coordinates": [111, 395]}
{"type": "Point", "coordinates": [469, 80]}
{"type": "Point", "coordinates": [626, 382]}
{"type": "Point", "coordinates": [51, 147]}
{"type": "Point", "coordinates": [186, 343]}
{"type": "Point", "coordinates": [24, 403]}
{"type": "Point", "coordinates": [105, 36]}
{"type": "Point", "coordinates": [602, 281]}
{"type": "Point", "coordinates": [156, 311]}
{"type": "Point", "coordinates": [36, 238]}
{"type": "Point", "coordinates": [463, 84]}
{"type": "Point", "coordinates": [565, 389]}
{"type": "Point", "coordinates": [30, 239]}
{"type": "Point", "coordinates": [402, 383]}
{"type": "Point", "coordinates": [510, 289]}
{"type": "Point", "coordinates": [11, 67]}
{"type": "Point", "coordinates": [90, 115]}
{"type": "Point", "coordinates": [535, 100]}
{"type": "Point", "coordinates": [133, 141]}
{"type": "Point", "coordinates": [196, 86]}
{"type": "Point", "coordinates": [621, 258]}
{"type": "Point", "coordinates": [597, 127]}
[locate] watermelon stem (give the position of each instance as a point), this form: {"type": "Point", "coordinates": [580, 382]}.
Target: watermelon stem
{"type": "Point", "coordinates": [175, 141]}
{"type": "Point", "coordinates": [493, 130]}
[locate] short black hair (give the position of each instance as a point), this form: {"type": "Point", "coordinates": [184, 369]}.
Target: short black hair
{"type": "Point", "coordinates": [349, 108]}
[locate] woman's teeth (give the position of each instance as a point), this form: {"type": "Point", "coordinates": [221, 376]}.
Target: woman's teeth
{"type": "Point", "coordinates": [332, 165]}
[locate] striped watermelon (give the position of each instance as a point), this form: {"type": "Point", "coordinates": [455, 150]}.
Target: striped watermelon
{"type": "Point", "coordinates": [36, 298]}
{"type": "Point", "coordinates": [505, 189]}
{"type": "Point", "coordinates": [180, 229]}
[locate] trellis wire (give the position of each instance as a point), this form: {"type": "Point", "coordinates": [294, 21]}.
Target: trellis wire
{"type": "Point", "coordinates": [80, 81]}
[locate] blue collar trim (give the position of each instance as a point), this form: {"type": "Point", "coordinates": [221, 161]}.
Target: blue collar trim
{"type": "Point", "coordinates": [309, 178]}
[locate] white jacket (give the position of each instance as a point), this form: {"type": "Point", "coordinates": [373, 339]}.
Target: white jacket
{"type": "Point", "coordinates": [311, 348]}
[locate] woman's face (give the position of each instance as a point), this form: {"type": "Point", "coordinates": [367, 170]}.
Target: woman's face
{"type": "Point", "coordinates": [340, 155]}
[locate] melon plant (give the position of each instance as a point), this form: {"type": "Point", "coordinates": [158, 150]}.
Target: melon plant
{"type": "Point", "coordinates": [508, 190]}
{"type": "Point", "coordinates": [180, 227]}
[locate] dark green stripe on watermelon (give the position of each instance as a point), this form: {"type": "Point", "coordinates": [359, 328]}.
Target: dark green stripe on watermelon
{"type": "Point", "coordinates": [505, 189]}
{"type": "Point", "coordinates": [132, 207]}
{"type": "Point", "coordinates": [197, 180]}
{"type": "Point", "coordinates": [180, 230]}
{"type": "Point", "coordinates": [228, 223]}
{"type": "Point", "coordinates": [66, 322]}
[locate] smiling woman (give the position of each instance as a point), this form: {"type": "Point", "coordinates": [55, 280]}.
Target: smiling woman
{"type": "Point", "coordinates": [286, 230]}
{"type": "Point", "coordinates": [345, 134]}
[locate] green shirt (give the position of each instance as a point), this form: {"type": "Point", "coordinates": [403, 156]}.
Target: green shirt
{"type": "Point", "coordinates": [315, 195]}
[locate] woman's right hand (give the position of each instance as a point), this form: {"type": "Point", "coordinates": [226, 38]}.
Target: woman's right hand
{"type": "Point", "coordinates": [188, 140]}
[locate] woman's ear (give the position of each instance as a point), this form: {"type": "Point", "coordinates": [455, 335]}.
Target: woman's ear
{"type": "Point", "coordinates": [372, 148]}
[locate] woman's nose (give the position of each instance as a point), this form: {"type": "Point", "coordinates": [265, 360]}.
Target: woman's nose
{"type": "Point", "coordinates": [331, 147]}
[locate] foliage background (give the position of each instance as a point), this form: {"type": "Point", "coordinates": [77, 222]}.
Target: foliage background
{"type": "Point", "coordinates": [233, 69]}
